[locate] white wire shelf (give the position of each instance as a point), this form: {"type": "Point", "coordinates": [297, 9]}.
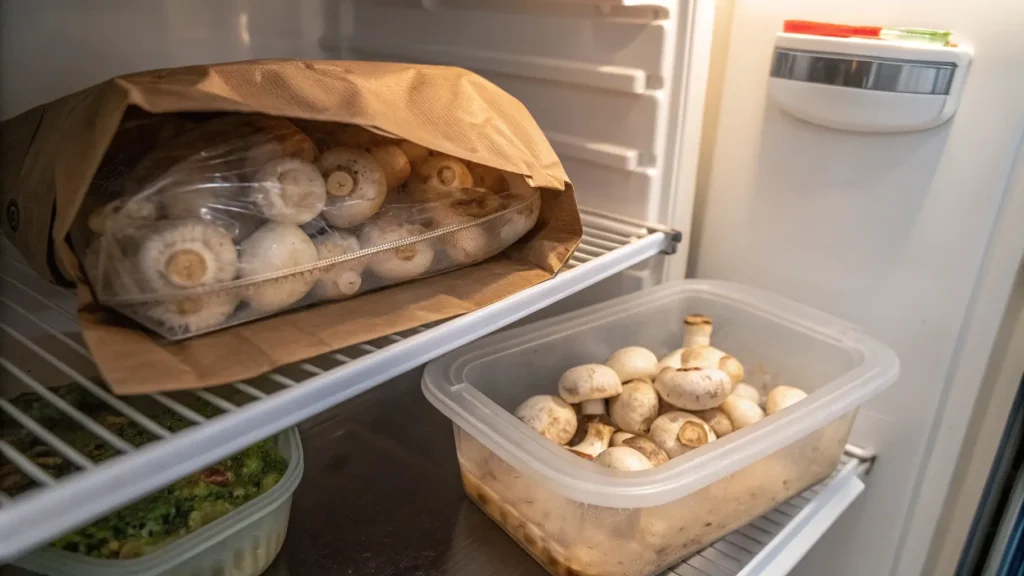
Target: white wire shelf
{"type": "Point", "coordinates": [40, 348]}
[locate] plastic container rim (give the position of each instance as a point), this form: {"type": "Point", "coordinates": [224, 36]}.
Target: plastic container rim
{"type": "Point", "coordinates": [583, 481]}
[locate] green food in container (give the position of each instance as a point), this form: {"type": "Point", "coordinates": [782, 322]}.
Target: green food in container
{"type": "Point", "coordinates": [157, 519]}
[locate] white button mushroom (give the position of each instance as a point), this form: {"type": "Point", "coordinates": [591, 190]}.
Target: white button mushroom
{"type": "Point", "coordinates": [741, 411]}
{"type": "Point", "coordinates": [393, 162]}
{"type": "Point", "coordinates": [216, 198]}
{"type": "Point", "coordinates": [623, 458]}
{"type": "Point", "coordinates": [635, 408]}
{"type": "Point", "coordinates": [341, 280]}
{"type": "Point", "coordinates": [619, 437]}
{"type": "Point", "coordinates": [356, 186]}
{"type": "Point", "coordinates": [782, 397]}
{"type": "Point", "coordinates": [633, 362]}
{"type": "Point", "coordinates": [597, 439]}
{"type": "Point", "coordinates": [438, 174]}
{"type": "Point", "coordinates": [693, 389]}
{"type": "Point", "coordinates": [488, 178]}
{"type": "Point", "coordinates": [414, 152]}
{"type": "Point", "coordinates": [289, 190]}
{"type": "Point", "coordinates": [183, 254]}
{"type": "Point", "coordinates": [194, 314]}
{"type": "Point", "coordinates": [744, 390]}
{"type": "Point", "coordinates": [717, 419]}
{"type": "Point", "coordinates": [124, 216]}
{"type": "Point", "coordinates": [465, 205]}
{"type": "Point", "coordinates": [673, 359]}
{"type": "Point", "coordinates": [280, 140]}
{"type": "Point", "coordinates": [550, 416]}
{"type": "Point", "coordinates": [526, 200]}
{"type": "Point", "coordinates": [402, 263]}
{"type": "Point", "coordinates": [273, 248]}
{"type": "Point", "coordinates": [588, 385]}
{"type": "Point", "coordinates": [648, 448]}
{"type": "Point", "coordinates": [698, 353]}
{"type": "Point", "coordinates": [668, 433]}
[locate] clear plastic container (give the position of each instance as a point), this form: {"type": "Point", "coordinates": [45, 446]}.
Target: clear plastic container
{"type": "Point", "coordinates": [575, 517]}
{"type": "Point", "coordinates": [242, 543]}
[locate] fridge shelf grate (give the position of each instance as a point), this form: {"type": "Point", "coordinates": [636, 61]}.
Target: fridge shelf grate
{"type": "Point", "coordinates": [178, 433]}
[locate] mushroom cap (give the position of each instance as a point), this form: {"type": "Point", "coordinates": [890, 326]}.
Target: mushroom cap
{"type": "Point", "coordinates": [488, 178]}
{"type": "Point", "coordinates": [281, 143]}
{"type": "Point", "coordinates": [717, 419]}
{"type": "Point", "coordinates": [341, 280]}
{"type": "Point", "coordinates": [623, 458]}
{"type": "Point", "coordinates": [182, 254]}
{"type": "Point", "coordinates": [414, 152]}
{"type": "Point", "coordinates": [635, 408]}
{"type": "Point", "coordinates": [520, 221]}
{"type": "Point", "coordinates": [619, 437]}
{"type": "Point", "coordinates": [700, 357]}
{"type": "Point", "coordinates": [665, 432]}
{"type": "Point", "coordinates": [671, 360]}
{"type": "Point", "coordinates": [781, 397]}
{"type": "Point", "coordinates": [741, 411]}
{"type": "Point", "coordinates": [588, 382]}
{"type": "Point", "coordinates": [648, 448]}
{"type": "Point", "coordinates": [393, 161]}
{"type": "Point", "coordinates": [276, 247]}
{"type": "Point", "coordinates": [356, 186]}
{"type": "Point", "coordinates": [550, 416]}
{"type": "Point", "coordinates": [192, 314]}
{"type": "Point", "coordinates": [404, 262]}
{"type": "Point", "coordinates": [443, 171]}
{"type": "Point", "coordinates": [124, 215]}
{"type": "Point", "coordinates": [633, 362]}
{"type": "Point", "coordinates": [289, 190]}
{"type": "Point", "coordinates": [473, 243]}
{"type": "Point", "coordinates": [693, 389]}
{"type": "Point", "coordinates": [744, 390]}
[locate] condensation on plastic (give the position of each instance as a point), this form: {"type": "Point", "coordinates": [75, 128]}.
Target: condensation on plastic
{"type": "Point", "coordinates": [576, 517]}
{"type": "Point", "coordinates": [241, 543]}
{"type": "Point", "coordinates": [242, 216]}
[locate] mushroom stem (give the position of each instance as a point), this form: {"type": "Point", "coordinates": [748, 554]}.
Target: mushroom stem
{"type": "Point", "coordinates": [693, 434]}
{"type": "Point", "coordinates": [598, 437]}
{"type": "Point", "coordinates": [593, 407]}
{"type": "Point", "coordinates": [697, 331]}
{"type": "Point", "coordinates": [340, 183]}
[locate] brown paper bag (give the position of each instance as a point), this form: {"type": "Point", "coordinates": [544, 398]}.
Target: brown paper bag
{"type": "Point", "coordinates": [51, 153]}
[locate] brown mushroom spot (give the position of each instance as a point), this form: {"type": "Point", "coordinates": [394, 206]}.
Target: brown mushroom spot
{"type": "Point", "coordinates": [405, 253]}
{"type": "Point", "coordinates": [215, 475]}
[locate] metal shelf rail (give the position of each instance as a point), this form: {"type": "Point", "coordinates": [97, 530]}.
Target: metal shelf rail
{"type": "Point", "coordinates": [41, 348]}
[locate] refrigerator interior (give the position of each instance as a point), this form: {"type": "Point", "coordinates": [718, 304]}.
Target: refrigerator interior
{"type": "Point", "coordinates": [908, 235]}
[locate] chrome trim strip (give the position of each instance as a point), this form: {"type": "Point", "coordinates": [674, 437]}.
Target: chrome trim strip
{"type": "Point", "coordinates": [865, 72]}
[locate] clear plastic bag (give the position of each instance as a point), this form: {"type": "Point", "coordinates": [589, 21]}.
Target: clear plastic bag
{"type": "Point", "coordinates": [242, 216]}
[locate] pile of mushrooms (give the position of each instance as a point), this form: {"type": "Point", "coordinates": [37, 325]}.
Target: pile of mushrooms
{"type": "Point", "coordinates": [636, 411]}
{"type": "Point", "coordinates": [210, 208]}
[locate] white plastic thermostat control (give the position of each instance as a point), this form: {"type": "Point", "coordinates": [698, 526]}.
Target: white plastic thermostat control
{"type": "Point", "coordinates": [867, 85]}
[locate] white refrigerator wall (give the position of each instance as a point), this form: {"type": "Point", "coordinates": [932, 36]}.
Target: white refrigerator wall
{"type": "Point", "coordinates": [888, 231]}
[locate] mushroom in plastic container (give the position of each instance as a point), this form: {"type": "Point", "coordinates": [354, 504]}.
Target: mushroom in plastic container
{"type": "Point", "coordinates": [633, 362]}
{"type": "Point", "coordinates": [273, 248]}
{"type": "Point", "coordinates": [550, 416]}
{"type": "Point", "coordinates": [697, 351]}
{"type": "Point", "coordinates": [648, 448]}
{"type": "Point", "coordinates": [679, 432]}
{"type": "Point", "coordinates": [344, 279]}
{"type": "Point", "coordinates": [404, 262]}
{"type": "Point", "coordinates": [741, 411]}
{"type": "Point", "coordinates": [588, 385]}
{"type": "Point", "coordinates": [693, 388]}
{"type": "Point", "coordinates": [289, 190]}
{"type": "Point", "coordinates": [356, 186]}
{"type": "Point", "coordinates": [782, 397]}
{"type": "Point", "coordinates": [744, 390]}
{"type": "Point", "coordinates": [623, 458]}
{"type": "Point", "coordinates": [635, 408]}
{"type": "Point", "coordinates": [597, 439]}
{"type": "Point", "coordinates": [717, 419]}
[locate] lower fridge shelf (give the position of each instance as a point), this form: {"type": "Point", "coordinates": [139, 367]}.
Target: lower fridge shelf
{"type": "Point", "coordinates": [382, 496]}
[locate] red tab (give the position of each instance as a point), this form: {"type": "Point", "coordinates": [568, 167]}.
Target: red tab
{"type": "Point", "coordinates": [826, 29]}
